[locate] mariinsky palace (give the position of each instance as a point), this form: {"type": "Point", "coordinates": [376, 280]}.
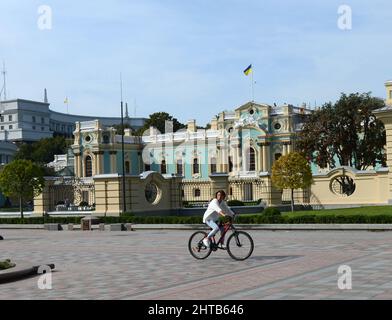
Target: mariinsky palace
{"type": "Point", "coordinates": [164, 171]}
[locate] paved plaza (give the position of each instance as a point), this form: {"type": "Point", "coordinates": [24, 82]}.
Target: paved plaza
{"type": "Point", "coordinates": [157, 265]}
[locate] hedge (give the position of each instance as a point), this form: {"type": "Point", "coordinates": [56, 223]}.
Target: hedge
{"type": "Point", "coordinates": [244, 219]}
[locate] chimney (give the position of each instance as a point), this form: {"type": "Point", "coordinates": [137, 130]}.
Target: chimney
{"type": "Point", "coordinates": [388, 87]}
{"type": "Point", "coordinates": [191, 126]}
{"type": "Point", "coordinates": [214, 124]}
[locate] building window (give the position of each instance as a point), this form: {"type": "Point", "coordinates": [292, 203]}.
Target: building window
{"type": "Point", "coordinates": [42, 129]}
{"type": "Point", "coordinates": [33, 127]}
{"type": "Point", "coordinates": [179, 166]}
{"type": "Point", "coordinates": [2, 127]}
{"type": "Point", "coordinates": [163, 166]}
{"type": "Point", "coordinates": [10, 117]}
{"type": "Point", "coordinates": [197, 192]}
{"type": "Point", "coordinates": [42, 120]}
{"type": "Point", "coordinates": [147, 167]}
{"type": "Point", "coordinates": [195, 166]}
{"type": "Point", "coordinates": [1, 119]}
{"type": "Point", "coordinates": [231, 164]}
{"type": "Point", "coordinates": [10, 127]}
{"type": "Point", "coordinates": [213, 165]}
{"type": "Point", "coordinates": [251, 159]}
{"type": "Point", "coordinates": [248, 192]}
{"type": "Point", "coordinates": [88, 167]}
{"type": "Point", "coordinates": [230, 191]}
{"type": "Point", "coordinates": [127, 167]}
{"type": "Point", "coordinates": [105, 138]}
{"type": "Point", "coordinates": [33, 117]}
{"type": "Point", "coordinates": [277, 156]}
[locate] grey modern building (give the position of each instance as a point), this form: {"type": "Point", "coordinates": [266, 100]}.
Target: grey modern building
{"type": "Point", "coordinates": [28, 121]}
{"type": "Point", "coordinates": [7, 152]}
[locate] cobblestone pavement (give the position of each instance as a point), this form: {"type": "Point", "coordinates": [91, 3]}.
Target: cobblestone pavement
{"type": "Point", "coordinates": [157, 265]}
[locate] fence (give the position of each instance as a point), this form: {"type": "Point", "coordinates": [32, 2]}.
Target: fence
{"type": "Point", "coordinates": [71, 194]}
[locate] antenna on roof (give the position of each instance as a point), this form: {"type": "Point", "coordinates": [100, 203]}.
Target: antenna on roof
{"type": "Point", "coordinates": [126, 111]}
{"type": "Point", "coordinates": [4, 89]}
{"type": "Point", "coordinates": [45, 96]}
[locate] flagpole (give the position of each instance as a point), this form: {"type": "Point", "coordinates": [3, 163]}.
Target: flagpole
{"type": "Point", "coordinates": [253, 92]}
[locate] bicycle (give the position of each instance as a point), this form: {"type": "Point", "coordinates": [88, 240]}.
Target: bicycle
{"type": "Point", "coordinates": [239, 244]}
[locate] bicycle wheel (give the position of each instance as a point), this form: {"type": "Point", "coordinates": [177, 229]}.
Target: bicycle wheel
{"type": "Point", "coordinates": [240, 245]}
{"type": "Point", "coordinates": [196, 247]}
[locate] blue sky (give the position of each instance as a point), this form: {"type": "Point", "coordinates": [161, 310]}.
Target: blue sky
{"type": "Point", "coordinates": [187, 57]}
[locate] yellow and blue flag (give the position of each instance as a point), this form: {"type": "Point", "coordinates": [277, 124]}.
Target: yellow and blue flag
{"type": "Point", "coordinates": [248, 70]}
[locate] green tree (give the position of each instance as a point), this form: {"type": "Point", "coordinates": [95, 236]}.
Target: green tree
{"type": "Point", "coordinates": [291, 171]}
{"type": "Point", "coordinates": [42, 151]}
{"type": "Point", "coordinates": [157, 120]}
{"type": "Point", "coordinates": [119, 129]}
{"type": "Point", "coordinates": [345, 133]}
{"type": "Point", "coordinates": [22, 179]}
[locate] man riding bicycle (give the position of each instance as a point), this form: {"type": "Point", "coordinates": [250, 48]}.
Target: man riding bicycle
{"type": "Point", "coordinates": [216, 207]}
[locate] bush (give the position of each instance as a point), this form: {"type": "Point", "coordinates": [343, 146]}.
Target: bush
{"type": "Point", "coordinates": [234, 203]}
{"type": "Point", "coordinates": [241, 219]}
{"type": "Point", "coordinates": [271, 212]}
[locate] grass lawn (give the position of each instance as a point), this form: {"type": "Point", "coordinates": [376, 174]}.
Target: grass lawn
{"type": "Point", "coordinates": [368, 211]}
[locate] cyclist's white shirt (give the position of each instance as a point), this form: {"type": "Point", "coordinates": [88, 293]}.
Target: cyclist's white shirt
{"type": "Point", "coordinates": [214, 207]}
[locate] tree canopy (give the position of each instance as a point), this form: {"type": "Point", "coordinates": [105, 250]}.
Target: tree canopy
{"type": "Point", "coordinates": [22, 179]}
{"type": "Point", "coordinates": [157, 120]}
{"type": "Point", "coordinates": [345, 133]}
{"type": "Point", "coordinates": [42, 151]}
{"type": "Point", "coordinates": [291, 171]}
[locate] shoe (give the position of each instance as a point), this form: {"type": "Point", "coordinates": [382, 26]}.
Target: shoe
{"type": "Point", "coordinates": [206, 242]}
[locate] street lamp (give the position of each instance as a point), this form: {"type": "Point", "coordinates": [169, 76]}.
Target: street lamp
{"type": "Point", "coordinates": [122, 151]}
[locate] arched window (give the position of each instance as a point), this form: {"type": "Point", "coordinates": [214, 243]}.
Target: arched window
{"type": "Point", "coordinates": [179, 166]}
{"type": "Point", "coordinates": [213, 165]}
{"type": "Point", "coordinates": [196, 166]}
{"type": "Point", "coordinates": [251, 159]}
{"type": "Point", "coordinates": [88, 167]}
{"type": "Point", "coordinates": [231, 164]}
{"type": "Point", "coordinates": [163, 166]}
{"type": "Point", "coordinates": [197, 192]}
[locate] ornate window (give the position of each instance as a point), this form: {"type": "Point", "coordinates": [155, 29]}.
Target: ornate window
{"type": "Point", "coordinates": [151, 193]}
{"type": "Point", "coordinates": [213, 165]}
{"type": "Point", "coordinates": [163, 166]}
{"type": "Point", "coordinates": [231, 164]}
{"type": "Point", "coordinates": [179, 166]}
{"type": "Point", "coordinates": [88, 167]}
{"type": "Point", "coordinates": [196, 166]}
{"type": "Point", "coordinates": [343, 186]}
{"type": "Point", "coordinates": [251, 159]}
{"type": "Point", "coordinates": [197, 192]}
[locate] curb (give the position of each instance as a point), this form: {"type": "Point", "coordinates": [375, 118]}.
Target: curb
{"type": "Point", "coordinates": [272, 227]}
{"type": "Point", "coordinates": [11, 274]}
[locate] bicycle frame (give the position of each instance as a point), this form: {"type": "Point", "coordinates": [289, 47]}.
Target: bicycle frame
{"type": "Point", "coordinates": [227, 226]}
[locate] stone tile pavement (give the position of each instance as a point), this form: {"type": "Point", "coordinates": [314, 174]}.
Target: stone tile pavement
{"type": "Point", "coordinates": [156, 265]}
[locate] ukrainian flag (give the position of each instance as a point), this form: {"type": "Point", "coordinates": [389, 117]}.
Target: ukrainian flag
{"type": "Point", "coordinates": [248, 70]}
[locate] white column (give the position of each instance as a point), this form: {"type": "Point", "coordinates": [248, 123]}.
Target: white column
{"type": "Point", "coordinates": [265, 168]}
